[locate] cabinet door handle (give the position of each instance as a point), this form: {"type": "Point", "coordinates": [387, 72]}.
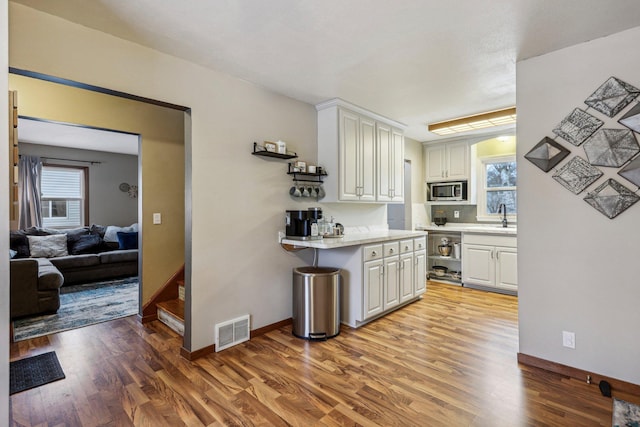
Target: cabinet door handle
{"type": "Point", "coordinates": [406, 248]}
{"type": "Point", "coordinates": [391, 250]}
{"type": "Point", "coordinates": [491, 254]}
{"type": "Point", "coordinates": [497, 254]}
{"type": "Point", "coordinates": [374, 253]}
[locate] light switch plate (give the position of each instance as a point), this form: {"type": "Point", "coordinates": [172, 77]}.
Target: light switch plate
{"type": "Point", "coordinates": [569, 339]}
{"type": "Point", "coordinates": [157, 218]}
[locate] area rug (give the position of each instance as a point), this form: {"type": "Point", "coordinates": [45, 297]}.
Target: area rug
{"type": "Point", "coordinates": [625, 414]}
{"type": "Point", "coordinates": [34, 371]}
{"type": "Point", "coordinates": [83, 305]}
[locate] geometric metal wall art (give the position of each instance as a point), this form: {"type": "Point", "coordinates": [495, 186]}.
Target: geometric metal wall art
{"type": "Point", "coordinates": [612, 96]}
{"type": "Point", "coordinates": [631, 119]}
{"type": "Point", "coordinates": [615, 147]}
{"type": "Point", "coordinates": [577, 126]}
{"type": "Point", "coordinates": [547, 154]}
{"type": "Point", "coordinates": [611, 147]}
{"type": "Point", "coordinates": [577, 175]}
{"type": "Point", "coordinates": [611, 198]}
{"type": "Point", "coordinates": [631, 172]}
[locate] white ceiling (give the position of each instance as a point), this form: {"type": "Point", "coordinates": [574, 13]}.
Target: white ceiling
{"type": "Point", "coordinates": [415, 61]}
{"type": "Point", "coordinates": [78, 137]}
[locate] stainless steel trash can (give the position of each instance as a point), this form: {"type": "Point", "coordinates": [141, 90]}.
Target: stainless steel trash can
{"type": "Point", "coordinates": [316, 302]}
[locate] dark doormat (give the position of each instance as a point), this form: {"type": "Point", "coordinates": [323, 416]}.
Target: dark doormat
{"type": "Point", "coordinates": [34, 371]}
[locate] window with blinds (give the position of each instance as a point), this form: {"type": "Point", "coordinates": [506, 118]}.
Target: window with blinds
{"type": "Point", "coordinates": [63, 196]}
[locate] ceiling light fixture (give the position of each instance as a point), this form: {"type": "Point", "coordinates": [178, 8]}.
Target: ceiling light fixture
{"type": "Point", "coordinates": [479, 121]}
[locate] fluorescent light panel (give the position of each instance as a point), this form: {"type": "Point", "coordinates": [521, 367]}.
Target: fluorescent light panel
{"type": "Point", "coordinates": [479, 121]}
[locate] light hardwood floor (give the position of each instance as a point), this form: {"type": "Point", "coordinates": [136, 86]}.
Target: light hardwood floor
{"type": "Point", "coordinates": [447, 360]}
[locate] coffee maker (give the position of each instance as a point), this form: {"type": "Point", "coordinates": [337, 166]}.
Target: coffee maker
{"type": "Point", "coordinates": [298, 223]}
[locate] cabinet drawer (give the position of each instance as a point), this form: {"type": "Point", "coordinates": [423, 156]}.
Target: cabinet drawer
{"type": "Point", "coordinates": [372, 252]}
{"type": "Point", "coordinates": [406, 246]}
{"type": "Point", "coordinates": [392, 248]}
{"type": "Point", "coordinates": [419, 243]}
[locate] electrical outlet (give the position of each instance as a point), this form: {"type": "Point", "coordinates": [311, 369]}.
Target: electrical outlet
{"type": "Point", "coordinates": [569, 339]}
{"type": "Point", "coordinates": [456, 214]}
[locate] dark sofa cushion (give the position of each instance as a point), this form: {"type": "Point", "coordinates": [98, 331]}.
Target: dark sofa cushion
{"type": "Point", "coordinates": [75, 261]}
{"type": "Point", "coordinates": [127, 240]}
{"type": "Point", "coordinates": [73, 235]}
{"type": "Point", "coordinates": [97, 230]}
{"type": "Point", "coordinates": [118, 256]}
{"type": "Point", "coordinates": [19, 243]}
{"type": "Point", "coordinates": [86, 244]}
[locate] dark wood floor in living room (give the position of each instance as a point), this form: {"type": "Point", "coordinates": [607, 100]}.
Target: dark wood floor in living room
{"type": "Point", "coordinates": [447, 360]}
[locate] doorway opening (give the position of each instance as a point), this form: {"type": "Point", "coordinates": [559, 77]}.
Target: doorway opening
{"type": "Point", "coordinates": [163, 138]}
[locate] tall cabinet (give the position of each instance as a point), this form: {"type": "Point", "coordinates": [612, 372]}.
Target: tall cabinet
{"type": "Point", "coordinates": [365, 148]}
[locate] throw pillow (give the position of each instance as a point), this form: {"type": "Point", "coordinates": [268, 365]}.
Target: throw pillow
{"type": "Point", "coordinates": [51, 246]}
{"type": "Point", "coordinates": [128, 240]}
{"type": "Point", "coordinates": [86, 244]}
{"type": "Point", "coordinates": [74, 234]}
{"type": "Point", "coordinates": [19, 243]}
{"type": "Point", "coordinates": [97, 229]}
{"type": "Point", "coordinates": [111, 233]}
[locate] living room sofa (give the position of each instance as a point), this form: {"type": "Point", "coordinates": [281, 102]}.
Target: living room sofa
{"type": "Point", "coordinates": [35, 287]}
{"type": "Point", "coordinates": [81, 255]}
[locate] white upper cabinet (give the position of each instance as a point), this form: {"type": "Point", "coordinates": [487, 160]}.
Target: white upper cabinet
{"type": "Point", "coordinates": [366, 151]}
{"type": "Point", "coordinates": [390, 164]}
{"type": "Point", "coordinates": [447, 162]}
{"type": "Point", "coordinates": [357, 157]}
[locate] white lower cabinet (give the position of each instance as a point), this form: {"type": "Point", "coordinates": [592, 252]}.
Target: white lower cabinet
{"type": "Point", "coordinates": [490, 261]}
{"type": "Point", "coordinates": [391, 288]}
{"type": "Point", "coordinates": [373, 288]}
{"type": "Point", "coordinates": [406, 277]}
{"type": "Point", "coordinates": [378, 278]}
{"type": "Point", "coordinates": [420, 272]}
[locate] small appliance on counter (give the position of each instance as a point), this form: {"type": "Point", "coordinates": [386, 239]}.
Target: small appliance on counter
{"type": "Point", "coordinates": [444, 248]}
{"type": "Point", "coordinates": [303, 224]}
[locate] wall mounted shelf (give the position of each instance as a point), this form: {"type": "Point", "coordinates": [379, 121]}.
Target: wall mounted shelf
{"type": "Point", "coordinates": [259, 150]}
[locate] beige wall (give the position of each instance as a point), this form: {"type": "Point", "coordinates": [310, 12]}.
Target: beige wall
{"type": "Point", "coordinates": [576, 267]}
{"type": "Point", "coordinates": [496, 147]}
{"type": "Point", "coordinates": [238, 200]}
{"type": "Point", "coordinates": [4, 226]}
{"type": "Point", "coordinates": [162, 161]}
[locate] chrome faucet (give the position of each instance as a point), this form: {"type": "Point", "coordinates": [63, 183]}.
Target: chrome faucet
{"type": "Point", "coordinates": [502, 209]}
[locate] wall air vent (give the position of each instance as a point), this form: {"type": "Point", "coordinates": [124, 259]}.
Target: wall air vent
{"type": "Point", "coordinates": [232, 332]}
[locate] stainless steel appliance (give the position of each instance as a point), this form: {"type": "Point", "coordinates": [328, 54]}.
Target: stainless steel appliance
{"type": "Point", "coordinates": [298, 224]}
{"type": "Point", "coordinates": [448, 191]}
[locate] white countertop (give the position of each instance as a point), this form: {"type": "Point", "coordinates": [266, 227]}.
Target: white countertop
{"type": "Point", "coordinates": [353, 239]}
{"type": "Point", "coordinates": [511, 230]}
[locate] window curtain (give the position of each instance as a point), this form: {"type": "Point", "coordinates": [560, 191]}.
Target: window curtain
{"type": "Point", "coordinates": [30, 171]}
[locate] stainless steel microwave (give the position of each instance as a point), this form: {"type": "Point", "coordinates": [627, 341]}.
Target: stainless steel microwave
{"type": "Point", "coordinates": [448, 191]}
